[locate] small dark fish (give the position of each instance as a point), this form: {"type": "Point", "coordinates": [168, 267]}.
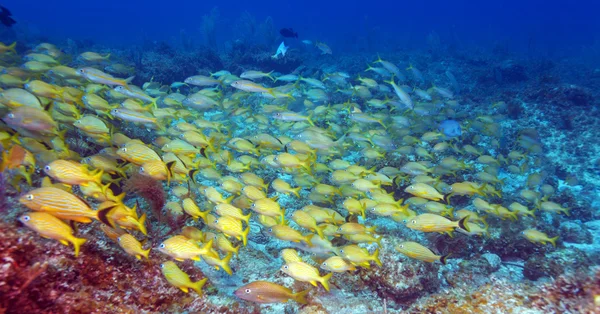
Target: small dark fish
{"type": "Point", "coordinates": [6, 19]}
{"type": "Point", "coordinates": [288, 32]}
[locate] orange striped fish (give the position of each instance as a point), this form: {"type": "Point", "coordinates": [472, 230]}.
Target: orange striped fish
{"type": "Point", "coordinates": [181, 248]}
{"type": "Point", "coordinates": [72, 172]}
{"type": "Point", "coordinates": [51, 227]}
{"type": "Point", "coordinates": [63, 205]}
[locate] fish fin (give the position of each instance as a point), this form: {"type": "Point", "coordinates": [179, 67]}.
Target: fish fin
{"type": "Point", "coordinates": [300, 297]}
{"type": "Point", "coordinates": [325, 281]}
{"type": "Point", "coordinates": [307, 239]}
{"type": "Point", "coordinates": [378, 240]}
{"type": "Point", "coordinates": [207, 247]}
{"type": "Point", "coordinates": [142, 224]}
{"type": "Point", "coordinates": [247, 218]}
{"type": "Point", "coordinates": [64, 242]}
{"type": "Point", "coordinates": [170, 166]}
{"type": "Point", "coordinates": [103, 216]}
{"type": "Point", "coordinates": [195, 258]}
{"type": "Point", "coordinates": [444, 258]}
{"type": "Point", "coordinates": [376, 257]}
{"type": "Point", "coordinates": [146, 253]}
{"type": "Point", "coordinates": [463, 223]}
{"type": "Point", "coordinates": [225, 263]}
{"type": "Point", "coordinates": [12, 46]}
{"type": "Point", "coordinates": [197, 286]}
{"type": "Point", "coordinates": [129, 79]}
{"type": "Point", "coordinates": [77, 242]}
{"type": "Point", "coordinates": [192, 174]}
{"type": "Point", "coordinates": [245, 236]}
{"type": "Point", "coordinates": [553, 241]}
{"type": "Point", "coordinates": [314, 283]}
{"type": "Point", "coordinates": [184, 289]}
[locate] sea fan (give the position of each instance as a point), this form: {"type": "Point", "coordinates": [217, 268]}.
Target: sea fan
{"type": "Point", "coordinates": [149, 189]}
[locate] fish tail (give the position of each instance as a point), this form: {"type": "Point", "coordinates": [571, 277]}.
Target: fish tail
{"type": "Point", "coordinates": [444, 258]}
{"type": "Point", "coordinates": [300, 297]}
{"type": "Point", "coordinates": [128, 80]}
{"type": "Point", "coordinates": [481, 189]}
{"type": "Point", "coordinates": [146, 253]}
{"type": "Point", "coordinates": [197, 286]}
{"type": "Point", "coordinates": [77, 242]}
{"type": "Point", "coordinates": [103, 216]}
{"type": "Point", "coordinates": [296, 191]}
{"type": "Point", "coordinates": [271, 76]}
{"type": "Point", "coordinates": [245, 235]}
{"type": "Point", "coordinates": [463, 223]}
{"type": "Point", "coordinates": [375, 257]}
{"type": "Point", "coordinates": [448, 198]}
{"type": "Point", "coordinates": [320, 231]}
{"type": "Point", "coordinates": [553, 241]}
{"type": "Point", "coordinates": [12, 47]}
{"type": "Point", "coordinates": [325, 281]}
{"type": "Point", "coordinates": [378, 240]}
{"type": "Point", "coordinates": [246, 218]}
{"type": "Point", "coordinates": [97, 177]}
{"type": "Point", "coordinates": [225, 263]}
{"type": "Point", "coordinates": [142, 224]}
{"type": "Point", "coordinates": [371, 229]}
{"type": "Point", "coordinates": [307, 239]}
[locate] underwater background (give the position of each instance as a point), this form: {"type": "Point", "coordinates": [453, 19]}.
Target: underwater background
{"type": "Point", "coordinates": [299, 157]}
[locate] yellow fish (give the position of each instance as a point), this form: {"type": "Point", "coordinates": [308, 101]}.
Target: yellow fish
{"type": "Point", "coordinates": [132, 246]}
{"type": "Point", "coordinates": [178, 278]}
{"type": "Point", "coordinates": [417, 251]}
{"type": "Point", "coordinates": [181, 248]}
{"type": "Point", "coordinates": [536, 236]}
{"type": "Point", "coordinates": [51, 227]}
{"type": "Point", "coordinates": [435, 223]}
{"type": "Point", "coordinates": [337, 264]}
{"type": "Point", "coordinates": [63, 205]}
{"type": "Point", "coordinates": [424, 191]}
{"type": "Point", "coordinates": [307, 273]}
{"type": "Point", "coordinates": [72, 172]}
{"type": "Point", "coordinates": [359, 256]}
{"type": "Point", "coordinates": [233, 228]}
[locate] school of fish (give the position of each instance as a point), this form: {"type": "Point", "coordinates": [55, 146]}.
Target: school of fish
{"type": "Point", "coordinates": [230, 152]}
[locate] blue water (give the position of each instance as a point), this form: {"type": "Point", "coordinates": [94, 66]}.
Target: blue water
{"type": "Point", "coordinates": [544, 27]}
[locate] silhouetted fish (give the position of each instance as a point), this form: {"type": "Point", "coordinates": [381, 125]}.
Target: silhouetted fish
{"type": "Point", "coordinates": [5, 17]}
{"type": "Point", "coordinates": [288, 32]}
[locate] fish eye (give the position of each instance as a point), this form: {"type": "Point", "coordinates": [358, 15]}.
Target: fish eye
{"type": "Point", "coordinates": [26, 218]}
{"type": "Point", "coordinates": [324, 264]}
{"type": "Point", "coordinates": [162, 246]}
{"type": "Point", "coordinates": [182, 135]}
{"type": "Point", "coordinates": [11, 116]}
{"type": "Point", "coordinates": [414, 221]}
{"type": "Point", "coordinates": [29, 197]}
{"type": "Point", "coordinates": [253, 205]}
{"type": "Point", "coordinates": [162, 265]}
{"type": "Point", "coordinates": [47, 168]}
{"type": "Point", "coordinates": [141, 169]}
{"type": "Point", "coordinates": [401, 246]}
{"type": "Point", "coordinates": [270, 229]}
{"type": "Point", "coordinates": [286, 267]}
{"type": "Point", "coordinates": [216, 221]}
{"type": "Point", "coordinates": [247, 290]}
{"type": "Point", "coordinates": [342, 251]}
{"type": "Point", "coordinates": [119, 239]}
